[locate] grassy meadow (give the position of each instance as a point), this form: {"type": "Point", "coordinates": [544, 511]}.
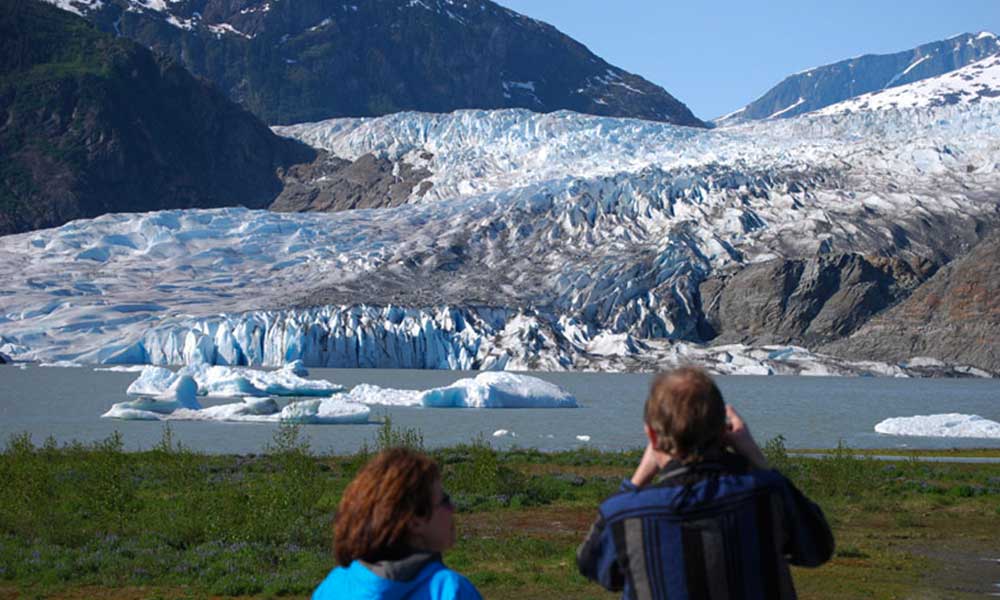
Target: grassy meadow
{"type": "Point", "coordinates": [89, 521]}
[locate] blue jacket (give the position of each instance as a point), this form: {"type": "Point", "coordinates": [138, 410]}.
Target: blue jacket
{"type": "Point", "coordinates": [710, 530]}
{"type": "Point", "coordinates": [423, 577]}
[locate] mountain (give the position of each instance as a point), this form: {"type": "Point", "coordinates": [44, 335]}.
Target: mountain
{"type": "Point", "coordinates": [307, 60]}
{"type": "Point", "coordinates": [822, 86]}
{"type": "Point", "coordinates": [969, 85]}
{"type": "Point", "coordinates": [90, 124]}
{"type": "Point", "coordinates": [526, 240]}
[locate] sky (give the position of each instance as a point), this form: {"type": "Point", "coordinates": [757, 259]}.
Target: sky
{"type": "Point", "coordinates": [718, 56]}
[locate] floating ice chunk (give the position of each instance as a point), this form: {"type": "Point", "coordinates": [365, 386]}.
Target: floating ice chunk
{"type": "Point", "coordinates": [366, 393]}
{"type": "Point", "coordinates": [316, 411]}
{"type": "Point", "coordinates": [235, 381]}
{"type": "Point", "coordinates": [583, 438]}
{"type": "Point", "coordinates": [943, 425]}
{"type": "Point", "coordinates": [182, 394]}
{"type": "Point", "coordinates": [152, 382]}
{"type": "Point", "coordinates": [123, 369]}
{"type": "Point", "coordinates": [259, 410]}
{"type": "Point", "coordinates": [499, 390]}
{"type": "Point", "coordinates": [504, 433]}
{"type": "Point", "coordinates": [325, 411]}
{"type": "Point", "coordinates": [68, 364]}
{"type": "Point", "coordinates": [296, 367]}
{"type": "Point", "coordinates": [229, 382]}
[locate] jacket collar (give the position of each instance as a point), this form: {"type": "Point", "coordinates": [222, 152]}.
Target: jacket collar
{"type": "Point", "coordinates": [403, 569]}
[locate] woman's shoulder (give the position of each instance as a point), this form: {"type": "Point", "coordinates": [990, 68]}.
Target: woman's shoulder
{"type": "Point", "coordinates": [446, 584]}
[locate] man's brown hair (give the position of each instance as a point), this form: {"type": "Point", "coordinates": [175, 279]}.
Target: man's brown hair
{"type": "Point", "coordinates": [388, 494]}
{"type": "Point", "coordinates": [686, 410]}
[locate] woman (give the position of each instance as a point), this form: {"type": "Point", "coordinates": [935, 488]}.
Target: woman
{"type": "Point", "coordinates": [393, 523]}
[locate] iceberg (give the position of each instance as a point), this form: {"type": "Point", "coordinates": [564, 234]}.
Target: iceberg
{"type": "Point", "coordinates": [944, 425]}
{"type": "Point", "coordinates": [366, 393]}
{"type": "Point", "coordinates": [182, 394]}
{"type": "Point", "coordinates": [499, 390]}
{"type": "Point", "coordinates": [313, 411]}
{"type": "Point", "coordinates": [230, 382]}
{"type": "Point", "coordinates": [325, 411]}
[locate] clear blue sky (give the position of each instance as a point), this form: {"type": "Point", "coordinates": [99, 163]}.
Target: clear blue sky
{"type": "Point", "coordinates": [717, 56]}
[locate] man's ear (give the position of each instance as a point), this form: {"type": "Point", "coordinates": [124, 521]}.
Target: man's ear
{"type": "Point", "coordinates": [651, 435]}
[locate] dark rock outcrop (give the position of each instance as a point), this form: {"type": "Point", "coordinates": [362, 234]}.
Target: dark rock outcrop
{"type": "Point", "coordinates": [805, 301]}
{"type": "Point", "coordinates": [308, 60]}
{"type": "Point", "coordinates": [816, 88]}
{"type": "Point", "coordinates": [953, 317]}
{"type": "Point", "coordinates": [90, 124]}
{"type": "Point", "coordinates": [332, 184]}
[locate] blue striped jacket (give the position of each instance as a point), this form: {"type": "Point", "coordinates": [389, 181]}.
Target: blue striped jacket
{"type": "Point", "coordinates": [711, 530]}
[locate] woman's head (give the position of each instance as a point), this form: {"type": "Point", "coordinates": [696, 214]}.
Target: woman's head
{"type": "Point", "coordinates": [393, 506]}
{"type": "Point", "coordinates": [686, 411]}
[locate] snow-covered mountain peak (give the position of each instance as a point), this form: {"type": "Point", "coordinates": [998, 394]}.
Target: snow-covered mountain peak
{"type": "Point", "coordinates": [976, 83]}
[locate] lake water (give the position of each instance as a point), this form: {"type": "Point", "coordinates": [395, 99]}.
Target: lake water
{"type": "Point", "coordinates": [810, 412]}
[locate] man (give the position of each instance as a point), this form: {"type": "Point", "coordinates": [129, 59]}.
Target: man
{"type": "Point", "coordinates": [703, 516]}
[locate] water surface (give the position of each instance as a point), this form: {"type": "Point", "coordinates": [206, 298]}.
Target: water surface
{"type": "Point", "coordinates": [810, 412]}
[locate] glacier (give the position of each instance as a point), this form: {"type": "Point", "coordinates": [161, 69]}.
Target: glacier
{"type": "Point", "coordinates": [545, 242]}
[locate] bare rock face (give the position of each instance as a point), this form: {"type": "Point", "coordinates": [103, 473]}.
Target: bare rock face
{"type": "Point", "coordinates": [331, 184]}
{"type": "Point", "coordinates": [805, 301]}
{"type": "Point", "coordinates": [954, 317]}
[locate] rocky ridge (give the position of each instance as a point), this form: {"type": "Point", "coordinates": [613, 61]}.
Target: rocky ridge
{"type": "Point", "coordinates": [307, 60]}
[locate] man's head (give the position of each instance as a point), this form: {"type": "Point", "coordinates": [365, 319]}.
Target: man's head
{"type": "Point", "coordinates": [685, 413]}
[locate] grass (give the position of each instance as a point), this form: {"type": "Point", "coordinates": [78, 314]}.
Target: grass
{"type": "Point", "coordinates": [80, 521]}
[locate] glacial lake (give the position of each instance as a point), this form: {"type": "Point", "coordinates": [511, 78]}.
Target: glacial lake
{"type": "Point", "coordinates": [810, 412]}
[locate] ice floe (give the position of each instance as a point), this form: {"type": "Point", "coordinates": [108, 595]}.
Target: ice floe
{"type": "Point", "coordinates": [122, 369]}
{"type": "Point", "coordinates": [313, 411]}
{"type": "Point", "coordinates": [366, 393]}
{"type": "Point", "coordinates": [942, 425]}
{"type": "Point", "coordinates": [182, 394]}
{"type": "Point", "coordinates": [229, 382]}
{"type": "Point", "coordinates": [499, 390]}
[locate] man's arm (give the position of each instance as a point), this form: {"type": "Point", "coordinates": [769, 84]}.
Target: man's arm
{"type": "Point", "coordinates": [597, 559]}
{"type": "Point", "coordinates": [810, 541]}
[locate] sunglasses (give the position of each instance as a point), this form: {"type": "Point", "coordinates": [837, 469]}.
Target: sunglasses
{"type": "Point", "coordinates": [446, 501]}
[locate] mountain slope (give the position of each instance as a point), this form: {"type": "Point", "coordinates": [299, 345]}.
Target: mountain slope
{"type": "Point", "coordinates": [90, 124]}
{"type": "Point", "coordinates": [822, 86]}
{"type": "Point", "coordinates": [292, 61]}
{"type": "Point", "coordinates": [972, 84]}
{"type": "Point", "coordinates": [954, 317]}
